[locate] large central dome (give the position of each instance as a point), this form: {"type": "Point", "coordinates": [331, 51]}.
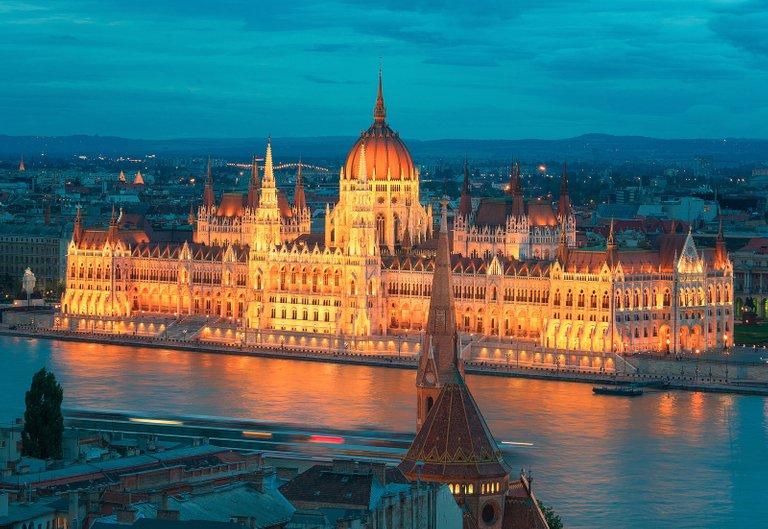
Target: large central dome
{"type": "Point", "coordinates": [386, 155]}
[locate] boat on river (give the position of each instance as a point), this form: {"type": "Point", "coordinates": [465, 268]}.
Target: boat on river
{"type": "Point", "coordinates": [625, 391]}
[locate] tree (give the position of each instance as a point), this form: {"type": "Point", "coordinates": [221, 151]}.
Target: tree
{"type": "Point", "coordinates": [553, 520]}
{"type": "Point", "coordinates": [43, 421]}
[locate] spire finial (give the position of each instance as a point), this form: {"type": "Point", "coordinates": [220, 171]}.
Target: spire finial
{"type": "Point", "coordinates": [269, 175]}
{"type": "Point", "coordinates": [22, 168]}
{"type": "Point", "coordinates": [564, 183]}
{"type": "Point", "coordinates": [444, 215]}
{"type": "Point", "coordinates": [610, 234]}
{"type": "Point", "coordinates": [380, 111]}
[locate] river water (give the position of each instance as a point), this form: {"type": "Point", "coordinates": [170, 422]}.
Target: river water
{"type": "Point", "coordinates": [666, 459]}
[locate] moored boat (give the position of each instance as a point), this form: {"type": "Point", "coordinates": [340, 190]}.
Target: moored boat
{"type": "Point", "coordinates": [626, 391]}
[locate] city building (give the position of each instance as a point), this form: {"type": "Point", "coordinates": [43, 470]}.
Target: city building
{"type": "Point", "coordinates": [255, 265]}
{"type": "Point", "coordinates": [353, 495]}
{"type": "Point", "coordinates": [750, 271]}
{"type": "Point", "coordinates": [43, 248]}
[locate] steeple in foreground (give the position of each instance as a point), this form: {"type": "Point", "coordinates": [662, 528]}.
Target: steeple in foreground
{"type": "Point", "coordinates": [439, 360]}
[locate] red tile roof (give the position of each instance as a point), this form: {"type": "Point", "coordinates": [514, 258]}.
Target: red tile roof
{"type": "Point", "coordinates": [454, 442]}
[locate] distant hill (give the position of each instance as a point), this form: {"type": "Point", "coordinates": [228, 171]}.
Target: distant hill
{"type": "Point", "coordinates": [599, 148]}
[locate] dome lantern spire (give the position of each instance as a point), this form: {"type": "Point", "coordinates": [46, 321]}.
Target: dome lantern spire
{"type": "Point", "coordinates": [379, 111]}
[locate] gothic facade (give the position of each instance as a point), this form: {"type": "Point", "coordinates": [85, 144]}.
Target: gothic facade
{"type": "Point", "coordinates": [515, 272]}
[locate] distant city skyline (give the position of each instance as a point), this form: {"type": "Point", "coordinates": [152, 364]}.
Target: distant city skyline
{"type": "Point", "coordinates": [556, 69]}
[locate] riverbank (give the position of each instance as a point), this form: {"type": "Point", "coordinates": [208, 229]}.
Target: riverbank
{"type": "Point", "coordinates": [681, 374]}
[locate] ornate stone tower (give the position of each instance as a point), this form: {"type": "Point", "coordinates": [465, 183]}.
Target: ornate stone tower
{"type": "Point", "coordinates": [267, 230]}
{"type": "Point", "coordinates": [441, 346]}
{"type": "Point", "coordinates": [453, 444]}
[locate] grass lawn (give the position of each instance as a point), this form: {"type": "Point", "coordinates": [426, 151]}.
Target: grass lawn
{"type": "Point", "coordinates": [751, 334]}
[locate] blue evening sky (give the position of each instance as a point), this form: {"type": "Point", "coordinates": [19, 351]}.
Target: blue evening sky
{"type": "Point", "coordinates": [452, 69]}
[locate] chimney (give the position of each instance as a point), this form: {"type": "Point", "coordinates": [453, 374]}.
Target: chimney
{"type": "Point", "coordinates": [287, 472]}
{"type": "Point", "coordinates": [3, 504]}
{"type": "Point", "coordinates": [73, 514]}
{"type": "Point", "coordinates": [379, 470]}
{"type": "Point", "coordinates": [168, 514]}
{"type": "Point", "coordinates": [127, 515]}
{"type": "Point", "coordinates": [343, 465]}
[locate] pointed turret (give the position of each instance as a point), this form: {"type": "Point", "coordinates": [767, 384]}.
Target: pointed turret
{"type": "Point", "coordinates": [562, 247]}
{"type": "Point", "coordinates": [439, 360]}
{"type": "Point", "coordinates": [564, 207]}
{"type": "Point", "coordinates": [513, 183]}
{"type": "Point", "coordinates": [138, 180]}
{"type": "Point", "coordinates": [299, 199]}
{"type": "Point", "coordinates": [465, 206]}
{"type": "Point", "coordinates": [721, 252]}
{"type": "Point", "coordinates": [269, 174]}
{"type": "Point", "coordinates": [407, 243]}
{"type": "Point", "coordinates": [453, 443]}
{"type": "Point", "coordinates": [518, 201]}
{"type": "Point", "coordinates": [379, 111]}
{"type": "Point", "coordinates": [253, 186]}
{"type": "Point", "coordinates": [122, 176]}
{"type": "Point", "coordinates": [611, 248]}
{"type": "Point", "coordinates": [78, 232]}
{"type": "Point", "coordinates": [21, 165]}
{"type": "Point", "coordinates": [113, 227]}
{"type": "Point", "coordinates": [209, 199]}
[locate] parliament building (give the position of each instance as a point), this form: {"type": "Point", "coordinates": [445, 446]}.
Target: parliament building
{"type": "Point", "coordinates": [516, 272]}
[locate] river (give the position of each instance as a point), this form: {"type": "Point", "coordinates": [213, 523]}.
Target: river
{"type": "Point", "coordinates": [666, 459]}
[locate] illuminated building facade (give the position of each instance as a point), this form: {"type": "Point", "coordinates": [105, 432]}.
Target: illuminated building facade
{"type": "Point", "coordinates": [516, 275]}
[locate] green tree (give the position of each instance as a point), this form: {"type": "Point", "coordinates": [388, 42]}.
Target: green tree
{"type": "Point", "coordinates": [553, 520]}
{"type": "Point", "coordinates": [43, 421]}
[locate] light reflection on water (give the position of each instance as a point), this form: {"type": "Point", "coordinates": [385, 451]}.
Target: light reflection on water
{"type": "Point", "coordinates": [667, 459]}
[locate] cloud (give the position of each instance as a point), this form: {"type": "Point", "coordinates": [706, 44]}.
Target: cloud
{"type": "Point", "coordinates": [546, 68]}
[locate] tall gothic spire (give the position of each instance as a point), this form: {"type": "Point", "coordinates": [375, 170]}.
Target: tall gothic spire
{"type": "Point", "coordinates": [113, 227]}
{"type": "Point", "coordinates": [380, 111]}
{"type": "Point", "coordinates": [269, 175]}
{"type": "Point", "coordinates": [721, 252]}
{"type": "Point", "coordinates": [465, 206]}
{"type": "Point", "coordinates": [518, 201]}
{"type": "Point", "coordinates": [299, 199]}
{"type": "Point", "coordinates": [78, 233]}
{"type": "Point", "coordinates": [191, 217]}
{"type": "Point", "coordinates": [611, 248]}
{"type": "Point", "coordinates": [21, 163]}
{"type": "Point", "coordinates": [209, 199]}
{"type": "Point", "coordinates": [562, 247]}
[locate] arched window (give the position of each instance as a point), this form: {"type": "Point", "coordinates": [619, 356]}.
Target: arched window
{"type": "Point", "coordinates": [381, 225]}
